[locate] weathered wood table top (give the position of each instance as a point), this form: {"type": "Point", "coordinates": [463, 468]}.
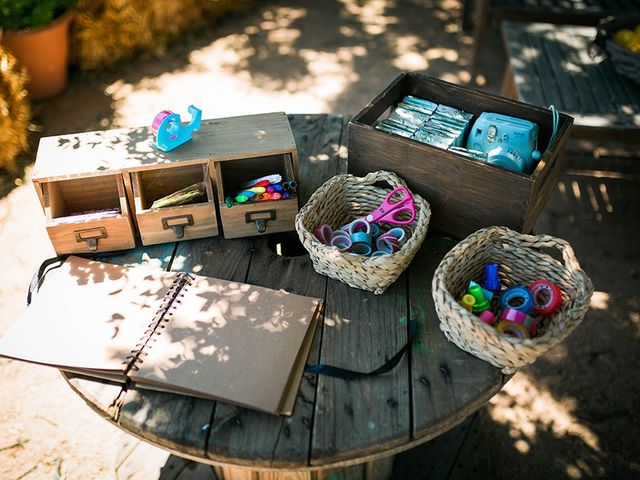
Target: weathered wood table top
{"type": "Point", "coordinates": [335, 422]}
{"type": "Point", "coordinates": [550, 65]}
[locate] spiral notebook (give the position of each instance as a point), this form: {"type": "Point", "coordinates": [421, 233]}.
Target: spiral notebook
{"type": "Point", "coordinates": [170, 331]}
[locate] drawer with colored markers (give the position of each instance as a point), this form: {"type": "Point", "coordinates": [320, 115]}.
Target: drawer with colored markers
{"type": "Point", "coordinates": [257, 195]}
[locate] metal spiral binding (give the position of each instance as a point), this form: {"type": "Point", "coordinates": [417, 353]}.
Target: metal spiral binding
{"type": "Point", "coordinates": [163, 314]}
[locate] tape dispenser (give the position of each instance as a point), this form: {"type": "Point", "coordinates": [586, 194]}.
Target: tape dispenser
{"type": "Point", "coordinates": [170, 133]}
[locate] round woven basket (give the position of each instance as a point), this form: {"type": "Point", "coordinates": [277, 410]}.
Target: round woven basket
{"type": "Point", "coordinates": [625, 62]}
{"type": "Point", "coordinates": [342, 199]}
{"type": "Point", "coordinates": [522, 260]}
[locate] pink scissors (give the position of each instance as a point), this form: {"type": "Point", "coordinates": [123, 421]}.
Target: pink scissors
{"type": "Point", "coordinates": [389, 212]}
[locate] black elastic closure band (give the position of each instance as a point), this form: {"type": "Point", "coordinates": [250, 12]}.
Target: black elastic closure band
{"type": "Point", "coordinates": [347, 374]}
{"type": "Point", "coordinates": [38, 277]}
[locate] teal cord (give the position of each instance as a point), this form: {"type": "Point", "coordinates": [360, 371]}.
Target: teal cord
{"type": "Point", "coordinates": [556, 123]}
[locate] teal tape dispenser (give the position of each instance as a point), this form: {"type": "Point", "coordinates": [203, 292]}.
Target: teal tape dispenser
{"type": "Point", "coordinates": [170, 133]}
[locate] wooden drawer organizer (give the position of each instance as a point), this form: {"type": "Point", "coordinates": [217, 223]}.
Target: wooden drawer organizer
{"type": "Point", "coordinates": [64, 202]}
{"type": "Point", "coordinates": [182, 222]}
{"type": "Point", "coordinates": [120, 169]}
{"type": "Point", "coordinates": [255, 218]}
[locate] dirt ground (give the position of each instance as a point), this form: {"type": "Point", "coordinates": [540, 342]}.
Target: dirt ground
{"type": "Point", "coordinates": [573, 414]}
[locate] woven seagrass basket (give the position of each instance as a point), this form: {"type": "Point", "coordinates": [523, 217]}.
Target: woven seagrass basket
{"type": "Point", "coordinates": [522, 260]}
{"type": "Point", "coordinates": [342, 199]}
{"type": "Point", "coordinates": [625, 62]}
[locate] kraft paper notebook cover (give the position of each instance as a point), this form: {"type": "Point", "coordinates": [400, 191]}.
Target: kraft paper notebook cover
{"type": "Point", "coordinates": [169, 331]}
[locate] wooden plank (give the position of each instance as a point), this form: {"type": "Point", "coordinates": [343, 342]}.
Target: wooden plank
{"type": "Point", "coordinates": [321, 141]}
{"type": "Point", "coordinates": [521, 57]}
{"type": "Point", "coordinates": [367, 416]}
{"type": "Point", "coordinates": [100, 395]}
{"type": "Point", "coordinates": [439, 458]}
{"type": "Point", "coordinates": [106, 152]}
{"type": "Point", "coordinates": [247, 437]}
{"type": "Point", "coordinates": [252, 438]}
{"type": "Point", "coordinates": [448, 383]}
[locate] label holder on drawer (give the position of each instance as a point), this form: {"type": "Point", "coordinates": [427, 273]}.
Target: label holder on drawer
{"type": "Point", "coordinates": [91, 236]}
{"type": "Point", "coordinates": [261, 222]}
{"type": "Point", "coordinates": [178, 224]}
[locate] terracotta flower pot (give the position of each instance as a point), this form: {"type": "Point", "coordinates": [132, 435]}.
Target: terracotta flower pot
{"type": "Point", "coordinates": [44, 51]}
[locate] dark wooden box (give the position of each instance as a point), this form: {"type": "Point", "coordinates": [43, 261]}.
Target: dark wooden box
{"type": "Point", "coordinates": [465, 194]}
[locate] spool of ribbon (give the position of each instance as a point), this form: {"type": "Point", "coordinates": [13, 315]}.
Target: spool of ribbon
{"type": "Point", "coordinates": [513, 329]}
{"type": "Point", "coordinates": [547, 297]}
{"type": "Point", "coordinates": [467, 302]}
{"type": "Point", "coordinates": [517, 297]}
{"type": "Point", "coordinates": [521, 318]}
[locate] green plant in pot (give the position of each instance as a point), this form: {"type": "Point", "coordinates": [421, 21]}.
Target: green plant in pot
{"type": "Point", "coordinates": [36, 32]}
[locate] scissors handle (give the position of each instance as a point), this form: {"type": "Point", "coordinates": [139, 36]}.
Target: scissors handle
{"type": "Point", "coordinates": [389, 212]}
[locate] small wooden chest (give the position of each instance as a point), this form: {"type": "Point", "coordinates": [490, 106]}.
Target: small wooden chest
{"type": "Point", "coordinates": [465, 194]}
{"type": "Point", "coordinates": [116, 175]}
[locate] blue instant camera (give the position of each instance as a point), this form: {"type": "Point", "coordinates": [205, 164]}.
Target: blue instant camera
{"type": "Point", "coordinates": [509, 142]}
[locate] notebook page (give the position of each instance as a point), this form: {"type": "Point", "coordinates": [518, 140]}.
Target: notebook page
{"type": "Point", "coordinates": [87, 315]}
{"type": "Point", "coordinates": [230, 341]}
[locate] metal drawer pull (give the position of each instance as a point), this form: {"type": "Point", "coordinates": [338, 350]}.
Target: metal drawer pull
{"type": "Point", "coordinates": [177, 223]}
{"type": "Point", "coordinates": [91, 236]}
{"type": "Point", "coordinates": [263, 216]}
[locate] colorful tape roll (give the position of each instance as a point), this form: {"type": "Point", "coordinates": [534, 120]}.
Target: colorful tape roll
{"type": "Point", "coordinates": [342, 243]}
{"type": "Point", "coordinates": [487, 317]}
{"type": "Point", "coordinates": [491, 278]}
{"type": "Point", "coordinates": [324, 233]}
{"type": "Point", "coordinates": [517, 297]}
{"type": "Point", "coordinates": [514, 329]}
{"type": "Point", "coordinates": [359, 225]}
{"type": "Point", "coordinates": [481, 304]}
{"type": "Point", "coordinates": [547, 297]}
{"type": "Point", "coordinates": [521, 318]}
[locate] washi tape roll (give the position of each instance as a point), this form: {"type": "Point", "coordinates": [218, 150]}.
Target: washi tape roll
{"type": "Point", "coordinates": [487, 293]}
{"type": "Point", "coordinates": [342, 243]}
{"type": "Point", "coordinates": [379, 253]}
{"type": "Point", "coordinates": [487, 317]}
{"type": "Point", "coordinates": [361, 248]}
{"type": "Point", "coordinates": [361, 237]}
{"type": "Point", "coordinates": [481, 303]}
{"type": "Point", "coordinates": [375, 230]}
{"type": "Point", "coordinates": [323, 233]}
{"type": "Point", "coordinates": [521, 318]}
{"type": "Point", "coordinates": [359, 225]}
{"type": "Point", "coordinates": [387, 243]}
{"type": "Point", "coordinates": [398, 233]}
{"type": "Point", "coordinates": [517, 297]}
{"type": "Point", "coordinates": [514, 329]}
{"type": "Point", "coordinates": [547, 297]}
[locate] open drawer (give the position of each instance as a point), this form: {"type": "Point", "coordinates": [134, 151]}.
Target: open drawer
{"type": "Point", "coordinates": [86, 215]}
{"type": "Point", "coordinates": [254, 217]}
{"type": "Point", "coordinates": [196, 219]}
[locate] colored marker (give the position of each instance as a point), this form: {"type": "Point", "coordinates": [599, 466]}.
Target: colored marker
{"type": "Point", "coordinates": [275, 178]}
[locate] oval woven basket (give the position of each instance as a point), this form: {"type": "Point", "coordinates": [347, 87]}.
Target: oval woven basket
{"type": "Point", "coordinates": [522, 259]}
{"type": "Point", "coordinates": [342, 199]}
{"type": "Point", "coordinates": [624, 61]}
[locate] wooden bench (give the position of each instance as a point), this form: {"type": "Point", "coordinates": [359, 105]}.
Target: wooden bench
{"type": "Point", "coordinates": [550, 65]}
{"type": "Point", "coordinates": [569, 12]}
{"type": "Point", "coordinates": [351, 429]}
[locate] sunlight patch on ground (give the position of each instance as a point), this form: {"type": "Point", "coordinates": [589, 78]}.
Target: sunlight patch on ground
{"type": "Point", "coordinates": [219, 78]}
{"type": "Point", "coordinates": [371, 14]}
{"type": "Point", "coordinates": [600, 300]}
{"type": "Point", "coordinates": [526, 409]}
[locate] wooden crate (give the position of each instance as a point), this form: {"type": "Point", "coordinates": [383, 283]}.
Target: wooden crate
{"type": "Point", "coordinates": [181, 222]}
{"type": "Point", "coordinates": [465, 194]}
{"type": "Point", "coordinates": [65, 201]}
{"type": "Point", "coordinates": [254, 218]}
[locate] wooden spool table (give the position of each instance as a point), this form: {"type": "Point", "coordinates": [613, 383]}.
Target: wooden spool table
{"type": "Point", "coordinates": [339, 429]}
{"type": "Point", "coordinates": [550, 65]}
